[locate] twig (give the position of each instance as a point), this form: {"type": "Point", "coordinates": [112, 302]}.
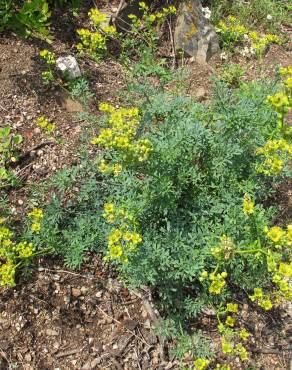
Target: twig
{"type": "Point", "coordinates": [137, 359]}
{"type": "Point", "coordinates": [3, 355]}
{"type": "Point", "coordinates": [120, 7]}
{"type": "Point", "coordinates": [27, 154]}
{"type": "Point", "coordinates": [1, 106]}
{"type": "Point", "coordinates": [68, 353]}
{"type": "Point", "coordinates": [120, 323]}
{"type": "Point", "coordinates": [71, 273]}
{"type": "Point", "coordinates": [172, 45]}
{"type": "Point", "coordinates": [271, 351]}
{"type": "Point", "coordinates": [155, 320]}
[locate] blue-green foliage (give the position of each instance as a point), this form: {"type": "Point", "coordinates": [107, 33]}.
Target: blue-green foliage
{"type": "Point", "coordinates": [185, 196]}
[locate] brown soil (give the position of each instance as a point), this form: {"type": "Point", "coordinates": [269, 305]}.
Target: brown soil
{"type": "Point", "coordinates": [59, 319]}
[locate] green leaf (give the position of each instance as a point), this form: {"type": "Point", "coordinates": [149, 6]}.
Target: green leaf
{"type": "Point", "coordinates": [17, 139]}
{"type": "Point", "coordinates": [4, 132]}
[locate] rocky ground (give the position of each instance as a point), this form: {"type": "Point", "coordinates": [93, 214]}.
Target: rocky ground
{"type": "Point", "coordinates": [59, 319]}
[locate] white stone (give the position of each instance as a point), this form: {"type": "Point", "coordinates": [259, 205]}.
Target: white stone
{"type": "Point", "coordinates": [68, 66]}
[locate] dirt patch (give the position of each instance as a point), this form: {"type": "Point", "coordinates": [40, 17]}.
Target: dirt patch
{"type": "Point", "coordinates": [69, 320]}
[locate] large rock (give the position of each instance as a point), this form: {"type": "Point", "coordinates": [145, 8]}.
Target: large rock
{"type": "Point", "coordinates": [122, 21]}
{"type": "Point", "coordinates": [194, 35]}
{"type": "Point", "coordinates": [69, 67]}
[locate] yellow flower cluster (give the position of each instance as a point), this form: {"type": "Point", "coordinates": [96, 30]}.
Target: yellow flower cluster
{"type": "Point", "coordinates": [97, 17]}
{"type": "Point", "coordinates": [259, 43]}
{"type": "Point", "coordinates": [48, 56]}
{"type": "Point", "coordinates": [36, 216]}
{"type": "Point", "coordinates": [248, 205]}
{"type": "Point", "coordinates": [225, 249]}
{"type": "Point", "coordinates": [45, 124]}
{"type": "Point", "coordinates": [94, 42]}
{"type": "Point", "coordinates": [233, 33]}
{"type": "Point", "coordinates": [121, 136]}
{"type": "Point", "coordinates": [115, 169]}
{"type": "Point", "coordinates": [282, 100]}
{"type": "Point", "coordinates": [222, 367]}
{"type": "Point", "coordinates": [281, 278]}
{"type": "Point", "coordinates": [123, 239]}
{"type": "Point", "coordinates": [148, 18]}
{"type": "Point", "coordinates": [278, 236]}
{"type": "Point", "coordinates": [230, 348]}
{"type": "Point", "coordinates": [276, 153]}
{"type": "Point", "coordinates": [10, 255]}
{"type": "Point", "coordinates": [50, 59]}
{"type": "Point", "coordinates": [201, 364]}
{"type": "Point", "coordinates": [217, 281]}
{"type": "Point", "coordinates": [262, 300]}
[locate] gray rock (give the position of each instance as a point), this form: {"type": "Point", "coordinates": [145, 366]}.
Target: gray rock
{"type": "Point", "coordinates": [194, 36]}
{"type": "Point", "coordinates": [122, 21]}
{"type": "Point", "coordinates": [68, 66]}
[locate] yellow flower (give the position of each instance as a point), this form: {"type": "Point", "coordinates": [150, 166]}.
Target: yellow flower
{"type": "Point", "coordinates": [115, 251]}
{"type": "Point", "coordinates": [266, 304]}
{"type": "Point", "coordinates": [104, 107]}
{"type": "Point", "coordinates": [248, 205]}
{"type": "Point", "coordinates": [103, 167]}
{"type": "Point", "coordinates": [275, 234]}
{"type": "Point", "coordinates": [97, 17]}
{"type": "Point", "coordinates": [143, 6]}
{"type": "Point", "coordinates": [232, 19]}
{"type": "Point", "coordinates": [289, 232]}
{"type": "Point", "coordinates": [36, 213]}
{"type": "Point", "coordinates": [253, 35]}
{"type": "Point", "coordinates": [278, 100]}
{"type": "Point", "coordinates": [285, 269]}
{"type": "Point", "coordinates": [136, 238]}
{"type": "Point", "coordinates": [7, 274]}
{"type": "Point", "coordinates": [117, 169]}
{"type": "Point", "coordinates": [244, 334]}
{"type": "Point", "coordinates": [201, 364]}
{"type": "Point", "coordinates": [109, 207]}
{"type": "Point", "coordinates": [242, 352]}
{"type": "Point", "coordinates": [226, 346]}
{"type": "Point", "coordinates": [232, 307]}
{"type": "Point", "coordinates": [35, 227]}
{"type": "Point", "coordinates": [127, 236]}
{"type": "Point", "coordinates": [286, 71]}
{"type": "Point", "coordinates": [24, 249]}
{"type": "Point", "coordinates": [110, 30]}
{"type": "Point", "coordinates": [230, 321]}
{"type": "Point", "coordinates": [288, 83]}
{"type": "Point", "coordinates": [115, 236]}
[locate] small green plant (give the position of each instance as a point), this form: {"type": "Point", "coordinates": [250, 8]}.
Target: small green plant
{"type": "Point", "coordinates": [174, 200]}
{"type": "Point", "coordinates": [27, 18]}
{"type": "Point", "coordinates": [50, 59]}
{"type": "Point", "coordinates": [46, 125]}
{"type": "Point", "coordinates": [231, 74]}
{"type": "Point", "coordinates": [94, 43]}
{"type": "Point", "coordinates": [79, 90]}
{"type": "Point", "coordinates": [8, 154]}
{"type": "Point", "coordinates": [277, 152]}
{"type": "Point", "coordinates": [144, 31]}
{"type": "Point", "coordinates": [267, 14]}
{"type": "Point", "coordinates": [15, 255]}
{"type": "Point", "coordinates": [233, 34]}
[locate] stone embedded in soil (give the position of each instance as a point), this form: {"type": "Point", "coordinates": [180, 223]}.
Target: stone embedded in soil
{"type": "Point", "coordinates": [76, 292]}
{"type": "Point", "coordinates": [69, 67]}
{"type": "Point", "coordinates": [194, 36]}
{"type": "Point", "coordinates": [51, 332]}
